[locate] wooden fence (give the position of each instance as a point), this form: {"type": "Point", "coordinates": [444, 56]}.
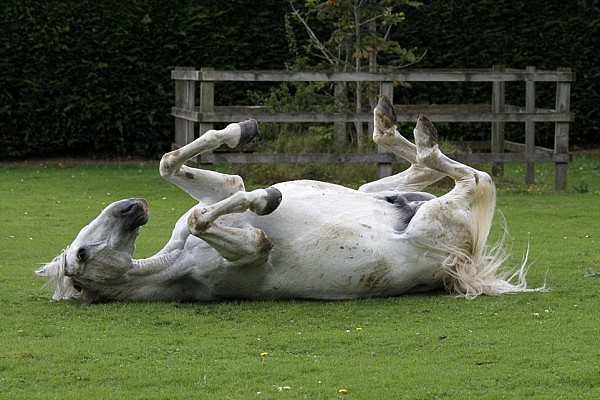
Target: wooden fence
{"type": "Point", "coordinates": [206, 113]}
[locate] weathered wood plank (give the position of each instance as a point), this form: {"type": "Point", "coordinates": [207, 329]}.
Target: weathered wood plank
{"type": "Point", "coordinates": [561, 134]}
{"type": "Point", "coordinates": [185, 75]}
{"type": "Point", "coordinates": [349, 158]}
{"type": "Point", "coordinates": [498, 106]}
{"type": "Point", "coordinates": [287, 158]}
{"type": "Point", "coordinates": [530, 128]}
{"type": "Point", "coordinates": [207, 102]}
{"type": "Point", "coordinates": [238, 114]}
{"type": "Point", "coordinates": [408, 75]}
{"type": "Point", "coordinates": [184, 100]}
{"type": "Point", "coordinates": [522, 148]}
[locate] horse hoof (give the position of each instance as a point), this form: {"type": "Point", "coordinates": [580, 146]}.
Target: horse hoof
{"type": "Point", "coordinates": [273, 200]}
{"type": "Point", "coordinates": [425, 133]}
{"type": "Point", "coordinates": [385, 113]}
{"type": "Point", "coordinates": [249, 129]}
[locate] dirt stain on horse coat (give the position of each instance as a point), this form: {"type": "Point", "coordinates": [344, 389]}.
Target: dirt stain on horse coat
{"type": "Point", "coordinates": [377, 279]}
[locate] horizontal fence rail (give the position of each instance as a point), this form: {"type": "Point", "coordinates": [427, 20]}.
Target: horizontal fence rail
{"type": "Point", "coordinates": [187, 114]}
{"type": "Point", "coordinates": [419, 75]}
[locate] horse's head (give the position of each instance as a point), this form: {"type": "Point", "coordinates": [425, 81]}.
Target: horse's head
{"type": "Point", "coordinates": [101, 253]}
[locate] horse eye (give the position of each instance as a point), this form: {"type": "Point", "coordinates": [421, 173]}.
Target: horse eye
{"type": "Point", "coordinates": [82, 254]}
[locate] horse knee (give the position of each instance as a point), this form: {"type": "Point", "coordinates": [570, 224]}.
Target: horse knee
{"type": "Point", "coordinates": [166, 167]}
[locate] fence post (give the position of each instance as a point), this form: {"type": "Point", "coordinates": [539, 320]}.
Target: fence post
{"type": "Point", "coordinates": [497, 143]}
{"type": "Point", "coordinates": [184, 98]}
{"type": "Point", "coordinates": [561, 133]}
{"type": "Point", "coordinates": [339, 128]}
{"type": "Point", "coordinates": [530, 125]}
{"type": "Point", "coordinates": [385, 89]}
{"type": "Point", "coordinates": [207, 104]}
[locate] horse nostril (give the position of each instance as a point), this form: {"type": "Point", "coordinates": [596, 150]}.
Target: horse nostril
{"type": "Point", "coordinates": [128, 208]}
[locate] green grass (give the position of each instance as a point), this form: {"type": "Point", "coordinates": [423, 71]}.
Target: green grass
{"type": "Point", "coordinates": [434, 346]}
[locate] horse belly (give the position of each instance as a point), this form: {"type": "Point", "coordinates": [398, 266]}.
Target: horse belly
{"type": "Point", "coordinates": [335, 243]}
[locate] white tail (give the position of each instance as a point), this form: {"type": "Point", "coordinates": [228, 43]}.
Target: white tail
{"type": "Point", "coordinates": [478, 269]}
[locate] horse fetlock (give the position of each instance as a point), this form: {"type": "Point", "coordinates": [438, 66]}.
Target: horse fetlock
{"type": "Point", "coordinates": [198, 221]}
{"type": "Point", "coordinates": [427, 156]}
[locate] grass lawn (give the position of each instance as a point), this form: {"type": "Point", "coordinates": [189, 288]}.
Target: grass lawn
{"type": "Point", "coordinates": [538, 345]}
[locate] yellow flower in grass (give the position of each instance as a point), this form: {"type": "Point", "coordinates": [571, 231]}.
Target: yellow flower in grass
{"type": "Point", "coordinates": [263, 354]}
{"type": "Point", "coordinates": [343, 391]}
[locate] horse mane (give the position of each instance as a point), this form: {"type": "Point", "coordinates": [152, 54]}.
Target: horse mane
{"type": "Point", "coordinates": [63, 286]}
{"type": "Point", "coordinates": [54, 272]}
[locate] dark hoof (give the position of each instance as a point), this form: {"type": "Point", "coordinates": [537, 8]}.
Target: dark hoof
{"type": "Point", "coordinates": [273, 200]}
{"type": "Point", "coordinates": [425, 126]}
{"type": "Point", "coordinates": [385, 112]}
{"type": "Point", "coordinates": [249, 129]}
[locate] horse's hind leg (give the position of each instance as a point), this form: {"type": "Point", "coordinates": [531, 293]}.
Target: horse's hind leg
{"type": "Point", "coordinates": [240, 246]}
{"type": "Point", "coordinates": [468, 180]}
{"type": "Point", "coordinates": [457, 224]}
{"type": "Point", "coordinates": [207, 186]}
{"type": "Point", "coordinates": [386, 135]}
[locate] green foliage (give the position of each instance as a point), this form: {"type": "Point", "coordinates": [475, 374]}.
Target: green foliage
{"type": "Point", "coordinates": [538, 346]}
{"type": "Point", "coordinates": [355, 33]}
{"type": "Point", "coordinates": [479, 34]}
{"type": "Point", "coordinates": [91, 78]}
{"type": "Point", "coordinates": [582, 188]}
{"type": "Point", "coordinates": [349, 37]}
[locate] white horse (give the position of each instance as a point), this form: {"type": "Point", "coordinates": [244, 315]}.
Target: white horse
{"type": "Point", "coordinates": [299, 239]}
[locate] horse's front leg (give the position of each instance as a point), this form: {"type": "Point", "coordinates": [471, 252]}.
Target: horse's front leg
{"type": "Point", "coordinates": [386, 135]}
{"type": "Point", "coordinates": [238, 245]}
{"type": "Point", "coordinates": [207, 186]}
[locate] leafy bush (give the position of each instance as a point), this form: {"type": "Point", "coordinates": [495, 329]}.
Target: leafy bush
{"type": "Point", "coordinates": [479, 34]}
{"type": "Point", "coordinates": [93, 78]}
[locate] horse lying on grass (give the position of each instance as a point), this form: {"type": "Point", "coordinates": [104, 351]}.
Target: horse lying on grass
{"type": "Point", "coordinates": [301, 239]}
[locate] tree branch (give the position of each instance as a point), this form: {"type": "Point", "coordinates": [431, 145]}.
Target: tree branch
{"type": "Point", "coordinates": [326, 54]}
{"type": "Point", "coordinates": [418, 60]}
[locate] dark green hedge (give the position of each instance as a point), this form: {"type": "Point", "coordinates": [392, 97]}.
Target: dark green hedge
{"type": "Point", "coordinates": [88, 78]}
{"type": "Point", "coordinates": [83, 77]}
{"type": "Point", "coordinates": [515, 33]}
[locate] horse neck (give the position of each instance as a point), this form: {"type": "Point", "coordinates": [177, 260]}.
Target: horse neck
{"type": "Point", "coordinates": [158, 263]}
